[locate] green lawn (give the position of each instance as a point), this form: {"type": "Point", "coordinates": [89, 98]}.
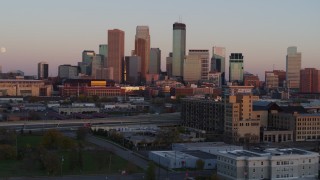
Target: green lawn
{"type": "Point", "coordinates": [94, 161]}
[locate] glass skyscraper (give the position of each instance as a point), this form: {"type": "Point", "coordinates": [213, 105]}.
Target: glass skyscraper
{"type": "Point", "coordinates": [236, 68]}
{"type": "Point", "coordinates": [178, 48]}
{"type": "Point", "coordinates": [218, 61]}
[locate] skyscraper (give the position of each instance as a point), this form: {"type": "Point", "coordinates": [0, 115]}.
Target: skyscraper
{"type": "Point", "coordinates": [169, 64]}
{"type": "Point", "coordinates": [103, 50]}
{"type": "Point", "coordinates": [116, 54]}
{"type": "Point", "coordinates": [236, 68]}
{"type": "Point", "coordinates": [218, 61]}
{"type": "Point", "coordinates": [155, 61]}
{"type": "Point", "coordinates": [293, 67]}
{"type": "Point", "coordinates": [142, 48]}
{"type": "Point", "coordinates": [43, 70]}
{"type": "Point", "coordinates": [133, 69]}
{"type": "Point", "coordinates": [203, 57]}
{"type": "Point", "coordinates": [85, 65]}
{"type": "Point", "coordinates": [178, 48]}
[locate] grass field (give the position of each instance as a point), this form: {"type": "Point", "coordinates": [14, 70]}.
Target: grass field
{"type": "Point", "coordinates": [94, 161]}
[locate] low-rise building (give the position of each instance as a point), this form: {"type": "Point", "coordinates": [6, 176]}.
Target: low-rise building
{"type": "Point", "coordinates": [209, 147]}
{"type": "Point", "coordinates": [185, 159]}
{"type": "Point", "coordinates": [267, 164]}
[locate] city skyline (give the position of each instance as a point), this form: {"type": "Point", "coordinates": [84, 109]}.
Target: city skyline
{"type": "Point", "coordinates": [37, 31]}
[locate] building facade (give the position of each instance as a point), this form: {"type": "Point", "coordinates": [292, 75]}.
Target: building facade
{"type": "Point", "coordinates": [43, 70]}
{"type": "Point", "coordinates": [203, 57]}
{"type": "Point", "coordinates": [155, 61]}
{"type": "Point", "coordinates": [310, 80]}
{"type": "Point", "coordinates": [240, 124]}
{"type": "Point", "coordinates": [103, 51]}
{"type": "Point", "coordinates": [203, 114]}
{"type": "Point", "coordinates": [22, 87]}
{"type": "Point", "coordinates": [133, 69]}
{"type": "Point", "coordinates": [169, 64]}
{"type": "Point", "coordinates": [178, 48]}
{"type": "Point", "coordinates": [236, 68]}
{"type": "Point", "coordinates": [267, 164]}
{"type": "Point", "coordinates": [218, 61]}
{"type": "Point", "coordinates": [293, 67]}
{"type": "Point", "coordinates": [116, 54]}
{"type": "Point", "coordinates": [142, 48]}
{"type": "Point", "coordinates": [67, 71]}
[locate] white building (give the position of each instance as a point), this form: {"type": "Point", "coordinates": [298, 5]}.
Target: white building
{"type": "Point", "coordinates": [267, 164]}
{"type": "Point", "coordinates": [209, 147]}
{"type": "Point", "coordinates": [185, 159]}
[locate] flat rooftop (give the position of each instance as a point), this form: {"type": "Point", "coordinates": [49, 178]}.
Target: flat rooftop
{"type": "Point", "coordinates": [267, 152]}
{"type": "Point", "coordinates": [200, 154]}
{"type": "Point", "coordinates": [203, 144]}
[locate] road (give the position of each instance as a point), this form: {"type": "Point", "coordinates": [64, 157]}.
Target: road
{"type": "Point", "coordinates": [162, 119]}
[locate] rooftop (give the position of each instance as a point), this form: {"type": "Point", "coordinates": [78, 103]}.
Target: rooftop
{"type": "Point", "coordinates": [267, 152]}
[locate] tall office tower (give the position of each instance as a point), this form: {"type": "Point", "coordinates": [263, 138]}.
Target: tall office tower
{"type": "Point", "coordinates": [178, 48]}
{"type": "Point", "coordinates": [116, 54]}
{"type": "Point", "coordinates": [97, 66]}
{"type": "Point", "coordinates": [310, 80]}
{"type": "Point", "coordinates": [293, 67]}
{"type": "Point", "coordinates": [218, 61]}
{"type": "Point", "coordinates": [203, 57]}
{"type": "Point", "coordinates": [43, 70]}
{"type": "Point", "coordinates": [142, 48]}
{"type": "Point", "coordinates": [236, 68]}
{"type": "Point", "coordinates": [87, 56]}
{"type": "Point", "coordinates": [169, 64]}
{"type": "Point", "coordinates": [133, 70]}
{"type": "Point", "coordinates": [67, 71]}
{"type": "Point", "coordinates": [85, 65]}
{"type": "Point", "coordinates": [103, 50]}
{"type": "Point", "coordinates": [155, 61]}
{"type": "Point", "coordinates": [192, 69]}
{"type": "Point", "coordinates": [0, 69]}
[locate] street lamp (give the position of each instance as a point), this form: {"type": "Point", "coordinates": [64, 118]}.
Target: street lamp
{"type": "Point", "coordinates": [61, 164]}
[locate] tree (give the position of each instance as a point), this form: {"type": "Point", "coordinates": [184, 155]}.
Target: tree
{"type": "Point", "coordinates": [200, 164]}
{"type": "Point", "coordinates": [7, 136]}
{"type": "Point", "coordinates": [7, 152]}
{"type": "Point", "coordinates": [52, 139]}
{"type": "Point", "coordinates": [52, 163]}
{"type": "Point", "coordinates": [150, 172]}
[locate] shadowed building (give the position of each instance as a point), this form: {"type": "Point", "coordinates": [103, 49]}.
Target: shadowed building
{"type": "Point", "coordinates": [155, 61]}
{"type": "Point", "coordinates": [43, 70]}
{"type": "Point", "coordinates": [218, 61]}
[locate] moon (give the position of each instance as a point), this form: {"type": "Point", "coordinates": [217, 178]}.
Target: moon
{"type": "Point", "coordinates": [3, 50]}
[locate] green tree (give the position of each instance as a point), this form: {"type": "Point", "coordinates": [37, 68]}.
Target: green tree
{"type": "Point", "coordinates": [7, 152]}
{"type": "Point", "coordinates": [52, 163]}
{"type": "Point", "coordinates": [150, 172]}
{"type": "Point", "coordinates": [52, 139]}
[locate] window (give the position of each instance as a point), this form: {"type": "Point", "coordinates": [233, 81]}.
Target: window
{"type": "Point", "coordinates": [261, 162]}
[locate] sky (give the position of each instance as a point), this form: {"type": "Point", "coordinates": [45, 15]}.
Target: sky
{"type": "Point", "coordinates": [58, 31]}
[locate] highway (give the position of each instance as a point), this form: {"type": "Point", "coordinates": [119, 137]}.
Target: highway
{"type": "Point", "coordinates": [155, 119]}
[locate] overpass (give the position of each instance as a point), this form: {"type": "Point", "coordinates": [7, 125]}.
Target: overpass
{"type": "Point", "coordinates": [168, 119]}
